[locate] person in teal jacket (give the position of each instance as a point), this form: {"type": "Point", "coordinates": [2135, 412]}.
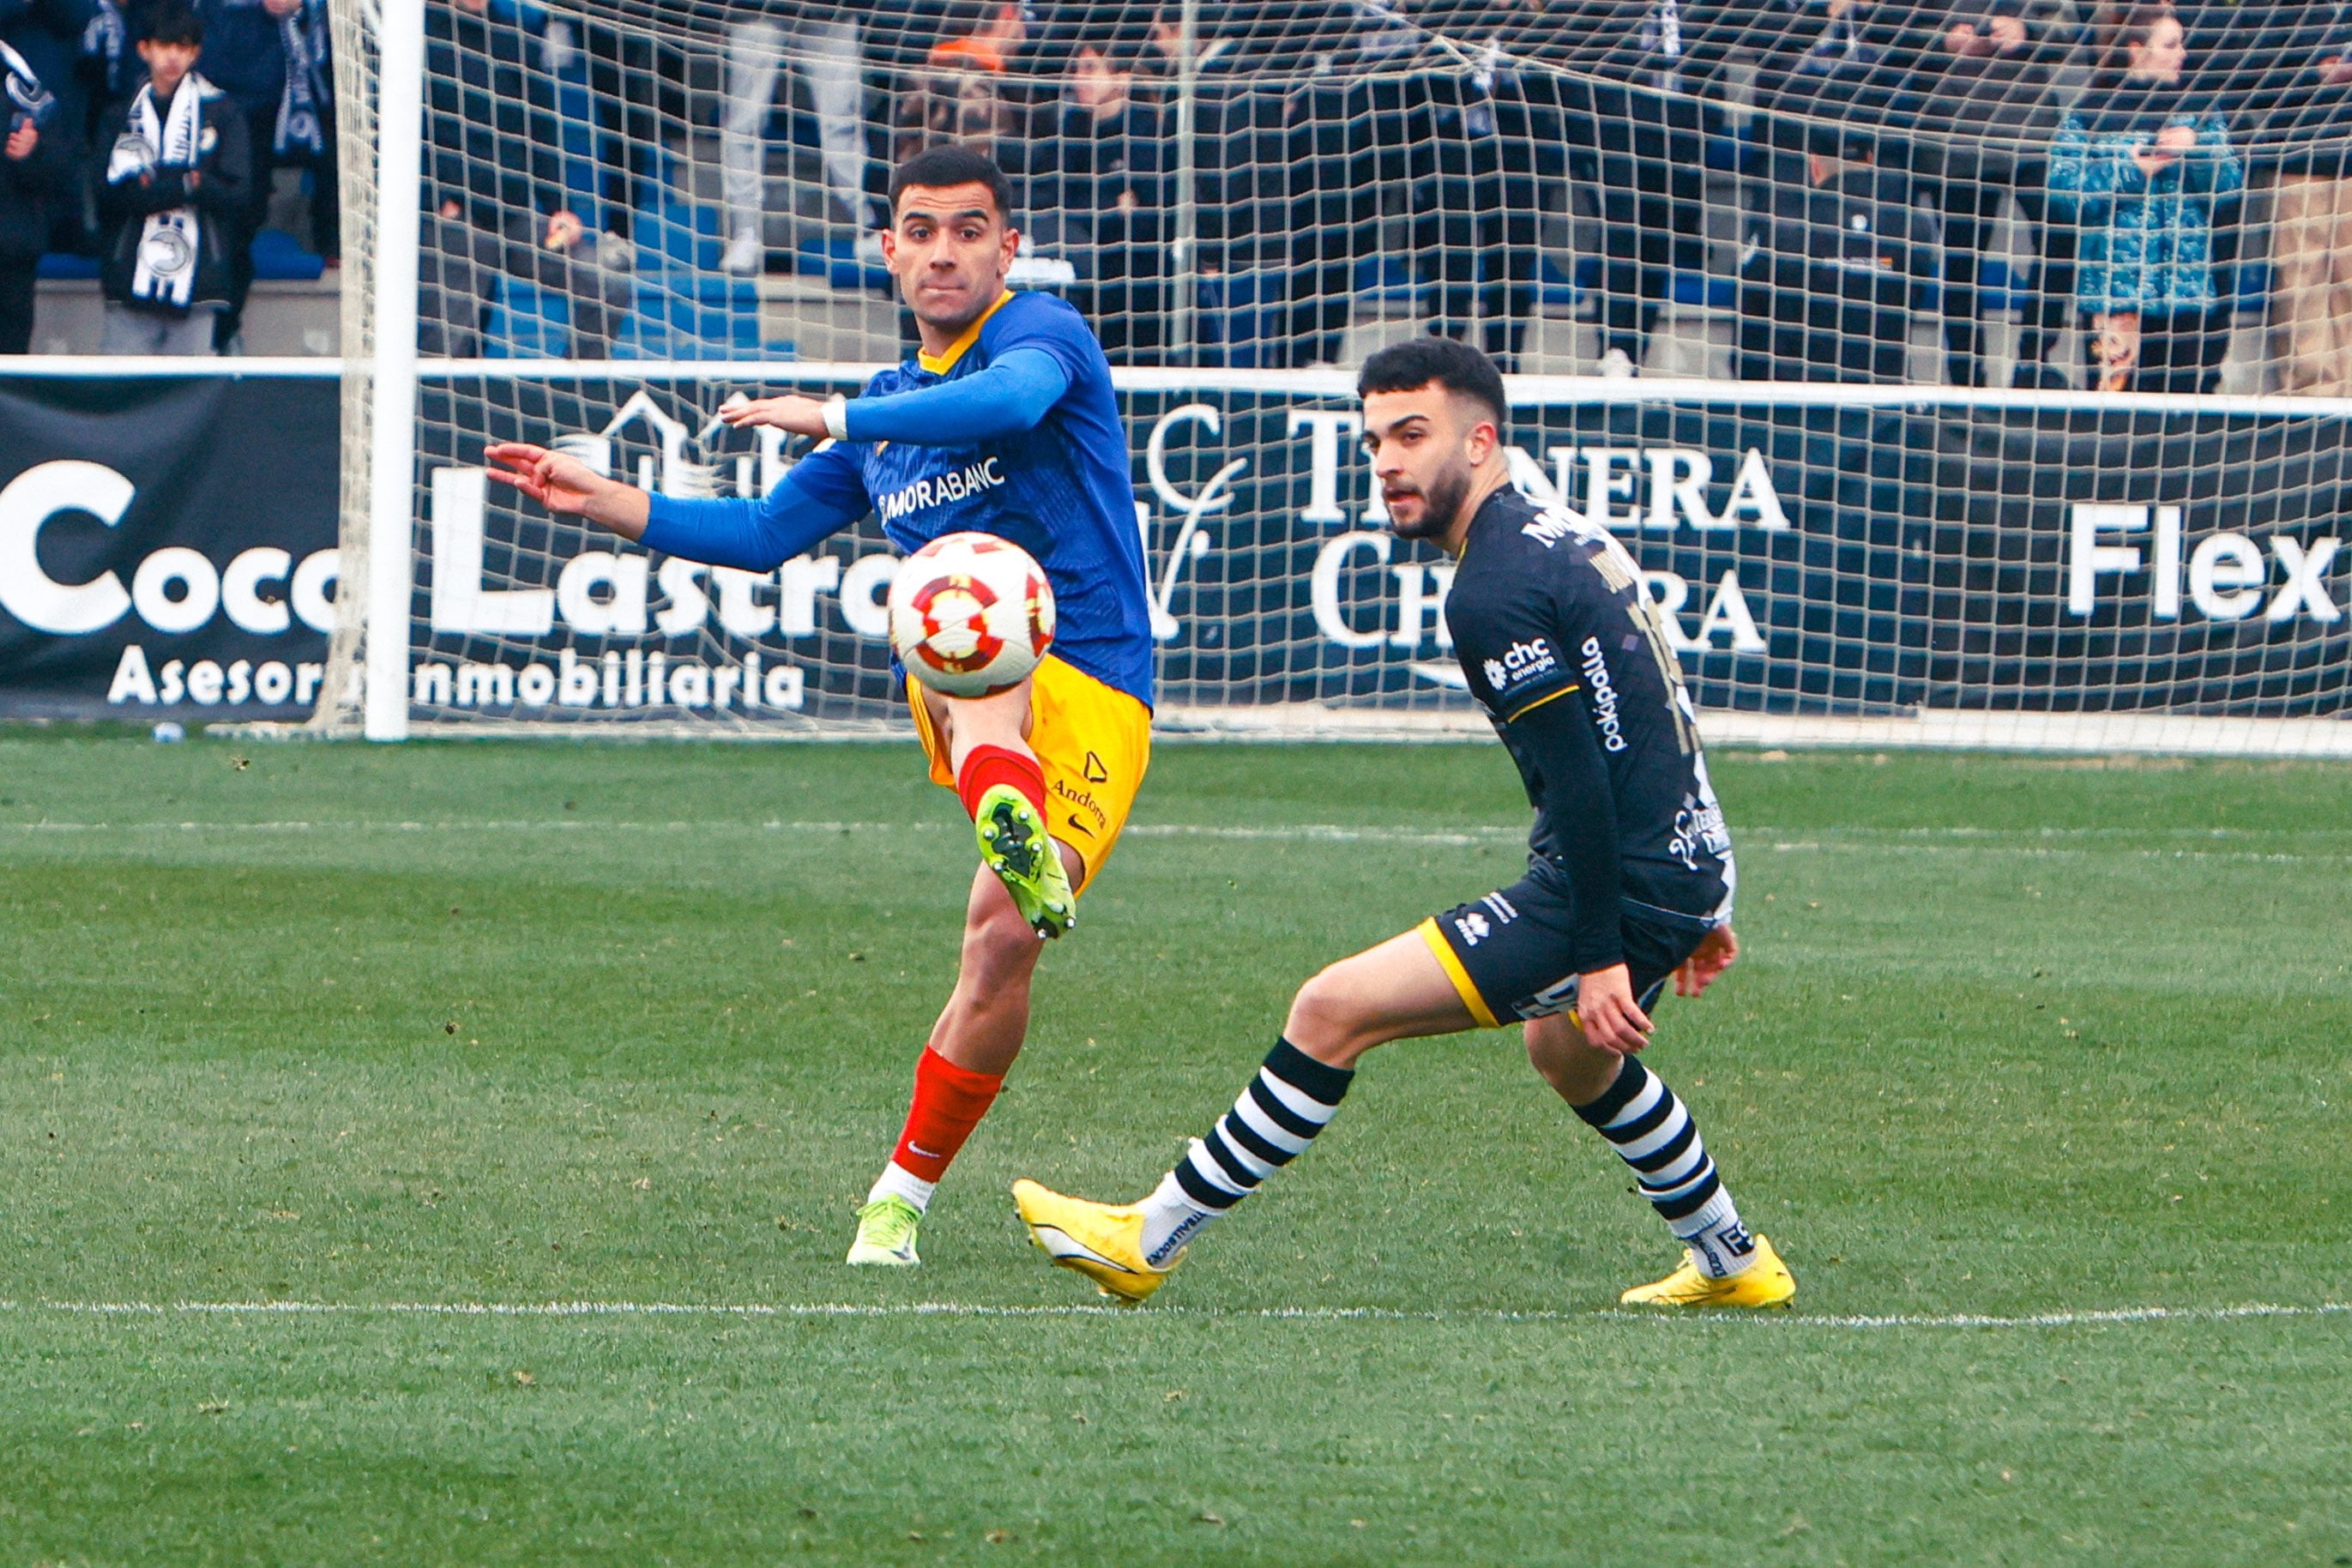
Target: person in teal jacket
{"type": "Point", "coordinates": [2144, 170]}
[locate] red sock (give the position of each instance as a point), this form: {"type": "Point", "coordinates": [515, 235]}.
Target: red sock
{"type": "Point", "coordinates": [987, 766]}
{"type": "Point", "coordinates": [950, 1100]}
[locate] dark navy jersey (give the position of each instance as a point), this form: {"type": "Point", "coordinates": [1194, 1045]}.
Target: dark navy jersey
{"type": "Point", "coordinates": [1548, 613]}
{"type": "Point", "coordinates": [1064, 490]}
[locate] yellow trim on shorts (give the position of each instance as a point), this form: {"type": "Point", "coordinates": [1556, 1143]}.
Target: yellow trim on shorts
{"type": "Point", "coordinates": [1093, 743]}
{"type": "Point", "coordinates": [1451, 962]}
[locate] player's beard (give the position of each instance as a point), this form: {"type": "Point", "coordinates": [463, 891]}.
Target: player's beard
{"type": "Point", "coordinates": [1441, 504]}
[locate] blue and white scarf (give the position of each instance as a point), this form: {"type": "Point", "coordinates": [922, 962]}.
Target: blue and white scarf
{"type": "Point", "coordinates": [29, 100]}
{"type": "Point", "coordinates": [107, 39]}
{"type": "Point", "coordinates": [303, 34]}
{"type": "Point", "coordinates": [164, 271]}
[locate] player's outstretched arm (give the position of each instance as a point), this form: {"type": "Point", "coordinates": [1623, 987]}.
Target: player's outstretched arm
{"type": "Point", "coordinates": [819, 495]}
{"type": "Point", "coordinates": [1008, 397]}
{"type": "Point", "coordinates": [570, 488]}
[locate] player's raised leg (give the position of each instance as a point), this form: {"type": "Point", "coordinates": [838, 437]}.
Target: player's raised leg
{"type": "Point", "coordinates": [1003, 787]}
{"type": "Point", "coordinates": [1395, 991]}
{"type": "Point", "coordinates": [981, 1029]}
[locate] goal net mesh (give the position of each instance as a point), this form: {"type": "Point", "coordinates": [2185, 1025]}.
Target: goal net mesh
{"type": "Point", "coordinates": [1978, 374]}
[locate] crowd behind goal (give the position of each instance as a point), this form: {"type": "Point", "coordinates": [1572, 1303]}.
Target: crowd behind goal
{"type": "Point", "coordinates": [2044, 193]}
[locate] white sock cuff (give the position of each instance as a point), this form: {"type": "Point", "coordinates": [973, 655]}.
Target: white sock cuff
{"type": "Point", "coordinates": [896, 1181]}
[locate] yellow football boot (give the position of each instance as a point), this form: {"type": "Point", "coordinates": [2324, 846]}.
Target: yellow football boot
{"type": "Point", "coordinates": [1102, 1241]}
{"type": "Point", "coordinates": [1766, 1282]}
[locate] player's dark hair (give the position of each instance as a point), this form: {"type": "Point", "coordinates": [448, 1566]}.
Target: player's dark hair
{"type": "Point", "coordinates": [169, 22]}
{"type": "Point", "coordinates": [1450, 362]}
{"type": "Point", "coordinates": [952, 163]}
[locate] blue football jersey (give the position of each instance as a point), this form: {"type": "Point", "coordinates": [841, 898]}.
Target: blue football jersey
{"type": "Point", "coordinates": [1061, 490]}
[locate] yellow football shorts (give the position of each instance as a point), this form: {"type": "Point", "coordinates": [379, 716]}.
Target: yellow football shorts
{"type": "Point", "coordinates": [1093, 742]}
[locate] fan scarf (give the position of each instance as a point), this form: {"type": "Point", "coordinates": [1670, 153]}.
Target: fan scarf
{"type": "Point", "coordinates": [165, 272]}
{"type": "Point", "coordinates": [304, 36]}
{"type": "Point", "coordinates": [26, 96]}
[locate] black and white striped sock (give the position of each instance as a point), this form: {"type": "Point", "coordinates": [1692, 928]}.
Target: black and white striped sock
{"type": "Point", "coordinates": [1290, 1101]}
{"type": "Point", "coordinates": [1652, 1131]}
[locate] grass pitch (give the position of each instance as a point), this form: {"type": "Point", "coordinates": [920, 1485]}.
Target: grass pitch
{"type": "Point", "coordinates": [2018, 1047]}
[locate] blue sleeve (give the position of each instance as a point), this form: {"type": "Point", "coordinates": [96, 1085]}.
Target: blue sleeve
{"type": "Point", "coordinates": [821, 494]}
{"type": "Point", "coordinates": [1008, 397]}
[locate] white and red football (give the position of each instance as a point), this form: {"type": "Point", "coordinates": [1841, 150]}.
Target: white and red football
{"type": "Point", "coordinates": [971, 614]}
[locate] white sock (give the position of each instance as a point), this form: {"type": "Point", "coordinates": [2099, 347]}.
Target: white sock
{"type": "Point", "coordinates": [896, 1181]}
{"type": "Point", "coordinates": [1718, 1243]}
{"type": "Point", "coordinates": [1170, 1219]}
{"type": "Point", "coordinates": [1652, 1131]}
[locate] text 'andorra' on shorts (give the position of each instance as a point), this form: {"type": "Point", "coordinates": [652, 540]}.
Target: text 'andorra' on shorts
{"type": "Point", "coordinates": [1093, 743]}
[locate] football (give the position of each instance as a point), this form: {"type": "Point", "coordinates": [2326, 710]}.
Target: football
{"type": "Point", "coordinates": [971, 614]}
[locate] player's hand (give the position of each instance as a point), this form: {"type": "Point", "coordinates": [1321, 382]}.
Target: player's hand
{"type": "Point", "coordinates": [793, 412]}
{"type": "Point", "coordinates": [1716, 952]}
{"type": "Point", "coordinates": [22, 141]}
{"type": "Point", "coordinates": [564, 486]}
{"type": "Point", "coordinates": [1613, 1020]}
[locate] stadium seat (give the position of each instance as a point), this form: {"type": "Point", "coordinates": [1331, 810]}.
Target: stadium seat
{"type": "Point", "coordinates": [692, 316]}
{"type": "Point", "coordinates": [678, 234]}
{"type": "Point", "coordinates": [1239, 317]}
{"type": "Point", "coordinates": [526, 322]}
{"type": "Point", "coordinates": [834, 257]}
{"type": "Point", "coordinates": [278, 256]}
{"type": "Point", "coordinates": [57, 264]}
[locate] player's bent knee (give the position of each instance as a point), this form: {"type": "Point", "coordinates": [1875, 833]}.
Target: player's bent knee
{"type": "Point", "coordinates": [1565, 1059]}
{"type": "Point", "coordinates": [999, 946]}
{"type": "Point", "coordinates": [1330, 1021]}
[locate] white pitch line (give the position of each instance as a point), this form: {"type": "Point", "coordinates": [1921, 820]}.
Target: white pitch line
{"type": "Point", "coordinates": [2088, 1318]}
{"type": "Point", "coordinates": [1345, 833]}
{"type": "Point", "coordinates": [1892, 841]}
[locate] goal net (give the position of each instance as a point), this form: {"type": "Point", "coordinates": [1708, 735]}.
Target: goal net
{"type": "Point", "coordinates": [1978, 377]}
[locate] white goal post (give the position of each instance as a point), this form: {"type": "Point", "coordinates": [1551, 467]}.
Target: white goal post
{"type": "Point", "coordinates": [1898, 563]}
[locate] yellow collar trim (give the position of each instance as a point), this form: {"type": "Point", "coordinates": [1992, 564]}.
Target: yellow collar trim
{"type": "Point", "coordinates": [940, 364]}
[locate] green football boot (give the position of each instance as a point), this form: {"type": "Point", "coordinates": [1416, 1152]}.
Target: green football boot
{"type": "Point", "coordinates": [1015, 845]}
{"type": "Point", "coordinates": [886, 1234]}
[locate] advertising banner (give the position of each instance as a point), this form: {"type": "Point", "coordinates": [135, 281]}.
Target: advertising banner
{"type": "Point", "coordinates": [1804, 560]}
{"type": "Point", "coordinates": [167, 545]}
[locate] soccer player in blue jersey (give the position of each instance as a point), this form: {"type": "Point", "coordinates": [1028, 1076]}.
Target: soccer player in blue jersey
{"type": "Point", "coordinates": [1012, 397]}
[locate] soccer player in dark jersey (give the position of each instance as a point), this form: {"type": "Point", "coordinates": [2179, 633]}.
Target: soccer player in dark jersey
{"type": "Point", "coordinates": [1629, 879]}
{"type": "Point", "coordinates": [1005, 424]}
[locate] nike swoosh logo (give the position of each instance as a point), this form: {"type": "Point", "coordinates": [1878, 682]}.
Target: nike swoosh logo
{"type": "Point", "coordinates": [919, 1149]}
{"type": "Point", "coordinates": [1080, 827]}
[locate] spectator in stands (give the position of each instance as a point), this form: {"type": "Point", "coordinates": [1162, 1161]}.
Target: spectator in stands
{"type": "Point", "coordinates": [270, 57]}
{"type": "Point", "coordinates": [964, 91]}
{"type": "Point", "coordinates": [1098, 195]}
{"type": "Point", "coordinates": [178, 172]}
{"type": "Point", "coordinates": [1835, 266]}
{"type": "Point", "coordinates": [36, 148]}
{"type": "Point", "coordinates": [489, 111]}
{"type": "Point", "coordinates": [1343, 128]}
{"type": "Point", "coordinates": [2140, 167]}
{"type": "Point", "coordinates": [2308, 133]}
{"type": "Point", "coordinates": [1636, 120]}
{"type": "Point", "coordinates": [1476, 199]}
{"type": "Point", "coordinates": [824, 46]}
{"type": "Point", "coordinates": [1989, 111]}
{"type": "Point", "coordinates": [46, 35]}
{"type": "Point", "coordinates": [595, 272]}
{"type": "Point", "coordinates": [453, 260]}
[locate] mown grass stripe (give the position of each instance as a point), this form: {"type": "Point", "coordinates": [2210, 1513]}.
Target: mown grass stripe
{"type": "Point", "coordinates": [2061, 1319]}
